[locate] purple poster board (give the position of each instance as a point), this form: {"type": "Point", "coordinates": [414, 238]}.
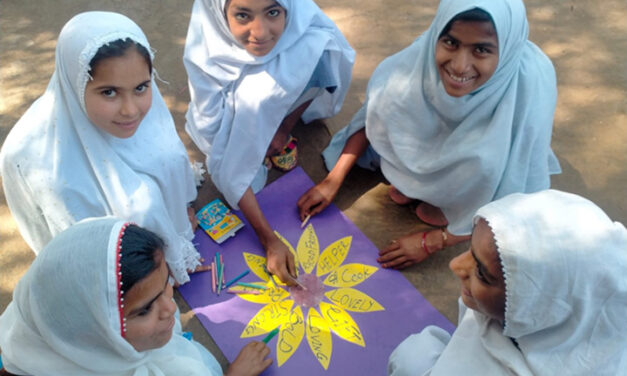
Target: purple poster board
{"type": "Point", "coordinates": [225, 316]}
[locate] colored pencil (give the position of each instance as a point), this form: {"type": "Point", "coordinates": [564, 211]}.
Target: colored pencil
{"type": "Point", "coordinates": [229, 283]}
{"type": "Point", "coordinates": [221, 276]}
{"type": "Point", "coordinates": [223, 267]}
{"type": "Point", "coordinates": [270, 276]}
{"type": "Point", "coordinates": [251, 285]}
{"type": "Point", "coordinates": [213, 277]}
{"type": "Point", "coordinates": [305, 220]}
{"type": "Point", "coordinates": [270, 335]}
{"type": "Point", "coordinates": [235, 291]}
{"type": "Point", "coordinates": [298, 283]}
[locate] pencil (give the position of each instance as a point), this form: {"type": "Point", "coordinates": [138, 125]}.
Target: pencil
{"type": "Point", "coordinates": [216, 258]}
{"type": "Point", "coordinates": [270, 335]}
{"type": "Point", "coordinates": [305, 220]}
{"type": "Point", "coordinates": [235, 291]}
{"type": "Point", "coordinates": [270, 276]}
{"type": "Point", "coordinates": [223, 267]}
{"type": "Point", "coordinates": [221, 276]}
{"type": "Point", "coordinates": [229, 283]}
{"type": "Point", "coordinates": [252, 285]}
{"type": "Point", "coordinates": [213, 277]}
{"type": "Point", "coordinates": [298, 283]}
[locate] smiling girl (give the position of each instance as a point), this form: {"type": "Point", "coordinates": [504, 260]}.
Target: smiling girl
{"type": "Point", "coordinates": [543, 292]}
{"type": "Point", "coordinates": [107, 312]}
{"type": "Point", "coordinates": [459, 118]}
{"type": "Point", "coordinates": [101, 141]}
{"type": "Point", "coordinates": [255, 68]}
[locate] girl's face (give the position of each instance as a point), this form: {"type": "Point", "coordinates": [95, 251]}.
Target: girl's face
{"type": "Point", "coordinates": [466, 56]}
{"type": "Point", "coordinates": [119, 95]}
{"type": "Point", "coordinates": [256, 24]}
{"type": "Point", "coordinates": [479, 269]}
{"type": "Point", "coordinates": [149, 310]}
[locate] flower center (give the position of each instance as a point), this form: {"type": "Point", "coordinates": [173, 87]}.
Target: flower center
{"type": "Point", "coordinates": [312, 295]}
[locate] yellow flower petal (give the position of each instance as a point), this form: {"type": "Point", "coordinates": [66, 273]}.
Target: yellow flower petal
{"type": "Point", "coordinates": [290, 336]}
{"type": "Point", "coordinates": [353, 300]}
{"type": "Point", "coordinates": [342, 323]}
{"type": "Point", "coordinates": [308, 249]}
{"type": "Point", "coordinates": [319, 337]}
{"type": "Point", "coordinates": [255, 264]}
{"type": "Point", "coordinates": [270, 295]}
{"type": "Point", "coordinates": [289, 246]}
{"type": "Point", "coordinates": [333, 255]}
{"type": "Point", "coordinates": [268, 318]}
{"type": "Point", "coordinates": [349, 275]}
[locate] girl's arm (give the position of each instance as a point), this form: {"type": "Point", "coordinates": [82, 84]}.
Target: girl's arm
{"type": "Point", "coordinates": [320, 196]}
{"type": "Point", "coordinates": [280, 260]}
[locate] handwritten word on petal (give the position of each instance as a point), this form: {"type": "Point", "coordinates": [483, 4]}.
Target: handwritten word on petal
{"type": "Point", "coordinates": [319, 337]}
{"type": "Point", "coordinates": [333, 255]}
{"type": "Point", "coordinates": [289, 246]}
{"type": "Point", "coordinates": [353, 300]}
{"type": "Point", "coordinates": [267, 296]}
{"type": "Point", "coordinates": [290, 336]}
{"type": "Point", "coordinates": [268, 318]}
{"type": "Point", "coordinates": [349, 275]}
{"type": "Point", "coordinates": [308, 249]}
{"type": "Point", "coordinates": [256, 264]}
{"type": "Point", "coordinates": [342, 323]}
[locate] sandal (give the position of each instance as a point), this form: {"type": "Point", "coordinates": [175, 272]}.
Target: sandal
{"type": "Point", "coordinates": [287, 159]}
{"type": "Point", "coordinates": [431, 215]}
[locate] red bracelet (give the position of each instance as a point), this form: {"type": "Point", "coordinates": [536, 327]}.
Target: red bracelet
{"type": "Point", "coordinates": [423, 243]}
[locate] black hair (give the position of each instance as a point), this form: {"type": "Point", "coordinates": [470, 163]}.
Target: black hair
{"type": "Point", "coordinates": [472, 15]}
{"type": "Point", "coordinates": [118, 48]}
{"type": "Point", "coordinates": [141, 254]}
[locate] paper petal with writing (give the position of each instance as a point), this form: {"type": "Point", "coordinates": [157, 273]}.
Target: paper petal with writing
{"type": "Point", "coordinates": [290, 336]}
{"type": "Point", "coordinates": [349, 275]}
{"type": "Point", "coordinates": [353, 300]}
{"type": "Point", "coordinates": [333, 255]}
{"type": "Point", "coordinates": [308, 249]}
{"type": "Point", "coordinates": [268, 318]}
{"type": "Point", "coordinates": [342, 323]}
{"type": "Point", "coordinates": [319, 337]}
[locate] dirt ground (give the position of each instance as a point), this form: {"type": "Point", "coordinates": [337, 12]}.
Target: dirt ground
{"type": "Point", "coordinates": [587, 43]}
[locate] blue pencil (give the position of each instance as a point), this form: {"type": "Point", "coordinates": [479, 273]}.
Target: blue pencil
{"type": "Point", "coordinates": [229, 283]}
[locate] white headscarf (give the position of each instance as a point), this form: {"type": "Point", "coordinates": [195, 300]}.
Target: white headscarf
{"type": "Point", "coordinates": [461, 153]}
{"type": "Point", "coordinates": [65, 317]}
{"type": "Point", "coordinates": [239, 100]}
{"type": "Point", "coordinates": [58, 167]}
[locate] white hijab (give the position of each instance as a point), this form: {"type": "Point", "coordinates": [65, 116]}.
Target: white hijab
{"type": "Point", "coordinates": [461, 153]}
{"type": "Point", "coordinates": [65, 315]}
{"type": "Point", "coordinates": [564, 263]}
{"type": "Point", "coordinates": [239, 100]}
{"type": "Point", "coordinates": [58, 168]}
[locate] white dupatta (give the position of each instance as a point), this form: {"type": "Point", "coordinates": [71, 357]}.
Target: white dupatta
{"type": "Point", "coordinates": [239, 100]}
{"type": "Point", "coordinates": [58, 168]}
{"type": "Point", "coordinates": [65, 315]}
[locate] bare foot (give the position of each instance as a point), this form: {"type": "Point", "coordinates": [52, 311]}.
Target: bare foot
{"type": "Point", "coordinates": [431, 215]}
{"type": "Point", "coordinates": [410, 249]}
{"type": "Point", "coordinates": [398, 197]}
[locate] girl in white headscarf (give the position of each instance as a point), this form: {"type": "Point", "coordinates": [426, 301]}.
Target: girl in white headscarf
{"type": "Point", "coordinates": [97, 301]}
{"type": "Point", "coordinates": [459, 118]}
{"type": "Point", "coordinates": [254, 68]}
{"type": "Point", "coordinates": [101, 141]}
{"type": "Point", "coordinates": [545, 283]}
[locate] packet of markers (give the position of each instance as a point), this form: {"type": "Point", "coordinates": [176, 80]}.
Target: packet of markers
{"type": "Point", "coordinates": [233, 286]}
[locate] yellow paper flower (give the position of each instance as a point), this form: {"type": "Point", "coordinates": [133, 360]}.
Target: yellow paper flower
{"type": "Point", "coordinates": [281, 310]}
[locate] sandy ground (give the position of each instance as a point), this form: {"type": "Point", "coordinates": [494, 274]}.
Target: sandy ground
{"type": "Point", "coordinates": [587, 43]}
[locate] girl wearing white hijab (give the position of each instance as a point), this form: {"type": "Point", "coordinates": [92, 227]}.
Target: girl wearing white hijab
{"type": "Point", "coordinates": [545, 283]}
{"type": "Point", "coordinates": [108, 310]}
{"type": "Point", "coordinates": [254, 67]}
{"type": "Point", "coordinates": [101, 141]}
{"type": "Point", "coordinates": [461, 117]}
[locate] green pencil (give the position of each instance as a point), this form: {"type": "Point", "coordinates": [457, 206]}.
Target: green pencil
{"type": "Point", "coordinates": [252, 285]}
{"type": "Point", "coordinates": [270, 335]}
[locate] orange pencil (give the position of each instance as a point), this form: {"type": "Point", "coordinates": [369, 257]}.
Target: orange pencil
{"type": "Point", "coordinates": [213, 277]}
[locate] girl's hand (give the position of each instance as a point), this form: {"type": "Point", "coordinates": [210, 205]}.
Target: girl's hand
{"type": "Point", "coordinates": [280, 261]}
{"type": "Point", "coordinates": [251, 360]}
{"type": "Point", "coordinates": [317, 198]}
